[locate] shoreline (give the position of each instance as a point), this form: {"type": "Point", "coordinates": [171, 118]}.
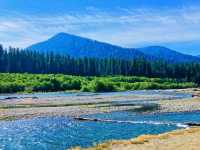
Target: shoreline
{"type": "Point", "coordinates": [182, 139]}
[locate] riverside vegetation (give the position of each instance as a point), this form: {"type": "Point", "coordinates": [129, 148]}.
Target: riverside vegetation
{"type": "Point", "coordinates": [16, 82]}
{"type": "Point", "coordinates": [23, 61]}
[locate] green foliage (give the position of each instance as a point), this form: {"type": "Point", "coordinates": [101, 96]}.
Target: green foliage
{"type": "Point", "coordinates": [72, 84]}
{"type": "Point", "coordinates": [44, 86]}
{"type": "Point", "coordinates": [11, 87]}
{"type": "Point", "coordinates": [11, 83]}
{"type": "Point", "coordinates": [101, 86]}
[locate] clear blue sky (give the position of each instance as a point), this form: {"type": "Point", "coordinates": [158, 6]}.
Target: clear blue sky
{"type": "Point", "coordinates": [129, 23]}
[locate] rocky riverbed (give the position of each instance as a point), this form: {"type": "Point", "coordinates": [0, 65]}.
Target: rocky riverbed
{"type": "Point", "coordinates": [24, 107]}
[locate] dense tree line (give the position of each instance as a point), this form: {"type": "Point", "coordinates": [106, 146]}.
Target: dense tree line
{"type": "Point", "coordinates": [20, 61]}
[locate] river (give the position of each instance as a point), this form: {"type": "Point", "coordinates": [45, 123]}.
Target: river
{"type": "Point", "coordinates": [60, 133]}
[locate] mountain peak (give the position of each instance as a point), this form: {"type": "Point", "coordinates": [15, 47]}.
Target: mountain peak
{"type": "Point", "coordinates": [63, 34]}
{"type": "Point", "coordinates": [77, 46]}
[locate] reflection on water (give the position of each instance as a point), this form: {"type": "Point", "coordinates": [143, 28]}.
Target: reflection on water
{"type": "Point", "coordinates": [60, 133]}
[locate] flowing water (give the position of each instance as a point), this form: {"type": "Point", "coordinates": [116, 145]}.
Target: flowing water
{"type": "Point", "coordinates": [166, 94]}
{"type": "Point", "coordinates": [60, 133]}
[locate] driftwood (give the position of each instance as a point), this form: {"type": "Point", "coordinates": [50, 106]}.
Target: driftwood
{"type": "Point", "coordinates": [98, 120]}
{"type": "Point", "coordinates": [101, 120]}
{"type": "Point", "coordinates": [87, 119]}
{"type": "Point", "coordinates": [193, 124]}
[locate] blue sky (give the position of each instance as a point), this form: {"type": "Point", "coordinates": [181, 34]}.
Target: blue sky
{"type": "Point", "coordinates": [128, 23]}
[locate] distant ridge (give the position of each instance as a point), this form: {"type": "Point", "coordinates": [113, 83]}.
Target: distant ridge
{"type": "Point", "coordinates": [168, 54]}
{"type": "Point", "coordinates": [76, 46]}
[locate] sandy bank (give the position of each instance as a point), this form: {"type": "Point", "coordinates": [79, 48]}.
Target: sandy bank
{"type": "Point", "coordinates": [187, 139]}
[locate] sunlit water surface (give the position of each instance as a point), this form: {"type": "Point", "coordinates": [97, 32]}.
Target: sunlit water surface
{"type": "Point", "coordinates": [59, 133]}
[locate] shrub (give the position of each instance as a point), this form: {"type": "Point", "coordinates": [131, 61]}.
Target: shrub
{"type": "Point", "coordinates": [100, 86]}
{"type": "Point", "coordinates": [11, 87]}
{"type": "Point", "coordinates": [43, 87]}
{"type": "Point", "coordinates": [127, 86]}
{"type": "Point", "coordinates": [71, 85]}
{"type": "Point", "coordinates": [55, 84]}
{"type": "Point", "coordinates": [85, 88]}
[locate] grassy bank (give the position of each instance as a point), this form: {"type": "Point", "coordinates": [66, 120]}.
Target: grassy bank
{"type": "Point", "coordinates": [12, 83]}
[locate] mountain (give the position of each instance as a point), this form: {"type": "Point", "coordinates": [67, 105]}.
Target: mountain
{"type": "Point", "coordinates": [77, 46]}
{"type": "Point", "coordinates": [168, 54]}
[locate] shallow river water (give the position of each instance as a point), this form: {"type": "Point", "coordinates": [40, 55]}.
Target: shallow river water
{"type": "Point", "coordinates": [168, 94]}
{"type": "Point", "coordinates": [60, 133]}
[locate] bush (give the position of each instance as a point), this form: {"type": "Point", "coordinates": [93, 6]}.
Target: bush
{"type": "Point", "coordinates": [55, 84]}
{"type": "Point", "coordinates": [85, 88]}
{"type": "Point", "coordinates": [71, 85]}
{"type": "Point", "coordinates": [101, 86]}
{"type": "Point", "coordinates": [43, 87]}
{"type": "Point", "coordinates": [11, 87]}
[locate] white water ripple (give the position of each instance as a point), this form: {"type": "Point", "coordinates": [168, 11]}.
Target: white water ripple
{"type": "Point", "coordinates": [179, 125]}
